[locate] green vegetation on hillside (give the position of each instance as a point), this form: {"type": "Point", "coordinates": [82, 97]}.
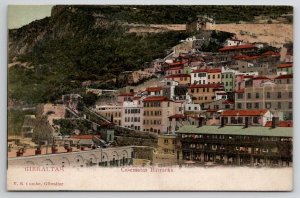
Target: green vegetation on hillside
{"type": "Point", "coordinates": [167, 14]}
{"type": "Point", "coordinates": [16, 120]}
{"type": "Point", "coordinates": [74, 48]}
{"type": "Point", "coordinates": [81, 53]}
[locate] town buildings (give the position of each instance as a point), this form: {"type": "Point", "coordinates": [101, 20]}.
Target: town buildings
{"type": "Point", "coordinates": [275, 96]}
{"type": "Point", "coordinates": [235, 145]}
{"type": "Point", "coordinates": [204, 93]}
{"type": "Point", "coordinates": [132, 114]}
{"type": "Point", "coordinates": [157, 109]}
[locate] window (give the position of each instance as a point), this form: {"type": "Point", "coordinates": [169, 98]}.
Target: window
{"type": "Point", "coordinates": [239, 105]}
{"type": "Point", "coordinates": [255, 120]}
{"type": "Point", "coordinates": [256, 95]}
{"type": "Point", "coordinates": [249, 105]}
{"type": "Point", "coordinates": [240, 95]}
{"type": "Point", "coordinates": [279, 95]}
{"type": "Point", "coordinates": [213, 76]}
{"type": "Point", "coordinates": [268, 95]}
{"type": "Point", "coordinates": [290, 94]}
{"type": "Point", "coordinates": [268, 105]}
{"type": "Point", "coordinates": [290, 105]}
{"type": "Point", "coordinates": [249, 95]}
{"type": "Point", "coordinates": [256, 105]}
{"type": "Point", "coordinates": [166, 141]}
{"type": "Point", "coordinates": [279, 105]}
{"type": "Point", "coordinates": [240, 120]}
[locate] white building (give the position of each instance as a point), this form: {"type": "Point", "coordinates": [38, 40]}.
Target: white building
{"type": "Point", "coordinates": [133, 114]}
{"type": "Point", "coordinates": [191, 107]}
{"type": "Point", "coordinates": [199, 76]}
{"type": "Point", "coordinates": [233, 42]}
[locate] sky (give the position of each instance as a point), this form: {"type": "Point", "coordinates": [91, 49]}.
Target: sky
{"type": "Point", "coordinates": [20, 15]}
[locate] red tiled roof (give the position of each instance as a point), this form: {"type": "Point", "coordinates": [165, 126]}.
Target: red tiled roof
{"type": "Point", "coordinates": [126, 94]}
{"type": "Point", "coordinates": [136, 98]}
{"type": "Point", "coordinates": [228, 102]}
{"type": "Point", "coordinates": [261, 78]}
{"type": "Point", "coordinates": [288, 123]}
{"type": "Point", "coordinates": [207, 71]}
{"type": "Point", "coordinates": [285, 65]}
{"type": "Point", "coordinates": [207, 86]}
{"type": "Point", "coordinates": [238, 47]}
{"type": "Point", "coordinates": [177, 116]}
{"type": "Point", "coordinates": [156, 98]}
{"type": "Point", "coordinates": [259, 112]}
{"type": "Point", "coordinates": [285, 76]}
{"type": "Point", "coordinates": [178, 75]}
{"type": "Point", "coordinates": [271, 53]}
{"type": "Point", "coordinates": [174, 68]}
{"type": "Point", "coordinates": [245, 57]}
{"type": "Point", "coordinates": [240, 56]}
{"type": "Point", "coordinates": [153, 89]}
{"type": "Point", "coordinates": [248, 76]}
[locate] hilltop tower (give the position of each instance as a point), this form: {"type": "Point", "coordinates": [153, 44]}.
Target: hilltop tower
{"type": "Point", "coordinates": [203, 22]}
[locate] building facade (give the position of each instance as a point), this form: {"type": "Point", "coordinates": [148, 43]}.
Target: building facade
{"type": "Point", "coordinates": [272, 96]}
{"type": "Point", "coordinates": [202, 94]}
{"type": "Point", "coordinates": [235, 145]}
{"type": "Point", "coordinates": [133, 114]}
{"type": "Point", "coordinates": [157, 109]}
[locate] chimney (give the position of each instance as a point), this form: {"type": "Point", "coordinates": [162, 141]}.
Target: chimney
{"type": "Point", "coordinates": [54, 149]}
{"type": "Point", "coordinates": [200, 122]}
{"type": "Point", "coordinates": [20, 152]}
{"type": "Point", "coordinates": [38, 151]}
{"type": "Point", "coordinates": [222, 122]}
{"type": "Point", "coordinates": [246, 122]}
{"type": "Point", "coordinates": [274, 121]}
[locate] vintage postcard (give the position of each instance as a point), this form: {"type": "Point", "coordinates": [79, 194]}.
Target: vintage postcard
{"type": "Point", "coordinates": [150, 98]}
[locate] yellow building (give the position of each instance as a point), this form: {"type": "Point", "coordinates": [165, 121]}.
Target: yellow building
{"type": "Point", "coordinates": [182, 79]}
{"type": "Point", "coordinates": [204, 93]}
{"type": "Point", "coordinates": [214, 76]}
{"type": "Point", "coordinates": [166, 144]}
{"type": "Point", "coordinates": [165, 154]}
{"type": "Point", "coordinates": [112, 113]}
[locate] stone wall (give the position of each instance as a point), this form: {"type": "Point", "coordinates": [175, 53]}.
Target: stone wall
{"type": "Point", "coordinates": [78, 159]}
{"type": "Point", "coordinates": [126, 137]}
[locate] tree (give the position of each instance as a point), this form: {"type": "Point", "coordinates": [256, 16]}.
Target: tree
{"type": "Point", "coordinates": [89, 99]}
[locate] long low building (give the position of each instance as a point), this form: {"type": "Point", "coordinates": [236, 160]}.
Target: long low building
{"type": "Point", "coordinates": [114, 156]}
{"type": "Point", "coordinates": [235, 145]}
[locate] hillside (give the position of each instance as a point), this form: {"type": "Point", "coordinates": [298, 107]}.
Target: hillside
{"type": "Point", "coordinates": [73, 46]}
{"type": "Point", "coordinates": [53, 56]}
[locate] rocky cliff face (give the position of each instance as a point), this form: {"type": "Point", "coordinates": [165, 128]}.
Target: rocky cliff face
{"type": "Point", "coordinates": [62, 23]}
{"type": "Point", "coordinates": [22, 40]}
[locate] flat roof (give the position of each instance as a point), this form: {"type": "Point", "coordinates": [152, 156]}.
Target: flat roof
{"type": "Point", "coordinates": [238, 130]}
